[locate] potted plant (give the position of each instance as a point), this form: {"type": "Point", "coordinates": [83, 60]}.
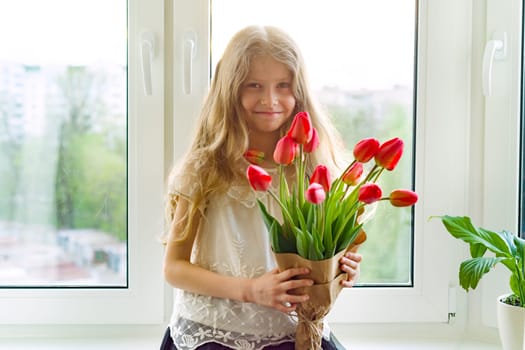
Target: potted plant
{"type": "Point", "coordinates": [507, 249]}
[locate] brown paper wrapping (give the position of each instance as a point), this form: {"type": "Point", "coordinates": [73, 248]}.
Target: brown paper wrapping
{"type": "Point", "coordinates": [327, 277]}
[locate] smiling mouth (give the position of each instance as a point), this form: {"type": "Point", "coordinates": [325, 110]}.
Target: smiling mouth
{"type": "Point", "coordinates": [268, 112]}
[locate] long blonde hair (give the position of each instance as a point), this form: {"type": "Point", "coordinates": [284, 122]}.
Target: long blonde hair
{"type": "Point", "coordinates": [222, 134]}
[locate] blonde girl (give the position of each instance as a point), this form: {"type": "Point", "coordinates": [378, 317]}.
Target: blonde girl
{"type": "Point", "coordinates": [229, 294]}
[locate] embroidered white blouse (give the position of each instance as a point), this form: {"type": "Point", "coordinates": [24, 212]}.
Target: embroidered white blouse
{"type": "Point", "coordinates": [233, 240]}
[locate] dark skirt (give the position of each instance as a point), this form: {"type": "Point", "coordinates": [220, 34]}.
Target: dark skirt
{"type": "Point", "coordinates": [332, 344]}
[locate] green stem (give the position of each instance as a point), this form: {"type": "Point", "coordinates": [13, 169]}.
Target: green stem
{"type": "Point", "coordinates": [521, 279]}
{"type": "Point", "coordinates": [300, 179]}
{"type": "Point", "coordinates": [285, 211]}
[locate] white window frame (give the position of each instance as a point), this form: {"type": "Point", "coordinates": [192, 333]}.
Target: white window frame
{"type": "Point", "coordinates": [502, 126]}
{"type": "Point", "coordinates": [447, 102]}
{"type": "Point", "coordinates": [143, 301]}
{"type": "Point", "coordinates": [443, 101]}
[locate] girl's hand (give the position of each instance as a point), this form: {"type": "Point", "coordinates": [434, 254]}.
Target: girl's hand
{"type": "Point", "coordinates": [350, 264]}
{"type": "Point", "coordinates": [272, 289]}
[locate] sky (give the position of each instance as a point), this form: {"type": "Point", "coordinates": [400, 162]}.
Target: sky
{"type": "Point", "coordinates": [352, 43]}
{"type": "Point", "coordinates": [358, 44]}
{"type": "Point", "coordinates": [63, 31]}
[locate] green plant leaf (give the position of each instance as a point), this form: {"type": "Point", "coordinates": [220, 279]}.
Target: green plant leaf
{"type": "Point", "coordinates": [349, 235]}
{"type": "Point", "coordinates": [462, 228]}
{"type": "Point", "coordinates": [275, 237]}
{"type": "Point", "coordinates": [267, 217]}
{"type": "Point", "coordinates": [471, 270]}
{"type": "Point", "coordinates": [477, 250]}
{"type": "Point", "coordinates": [515, 284]}
{"type": "Point", "coordinates": [302, 242]}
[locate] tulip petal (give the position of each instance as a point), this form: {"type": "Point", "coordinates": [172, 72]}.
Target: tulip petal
{"type": "Point", "coordinates": [366, 149]}
{"type": "Point", "coordinates": [301, 130]}
{"type": "Point", "coordinates": [258, 178]}
{"type": "Point", "coordinates": [315, 193]}
{"type": "Point", "coordinates": [389, 153]}
{"type": "Point", "coordinates": [402, 198]}
{"type": "Point", "coordinates": [370, 193]}
{"type": "Point", "coordinates": [285, 151]}
{"type": "Point", "coordinates": [321, 175]}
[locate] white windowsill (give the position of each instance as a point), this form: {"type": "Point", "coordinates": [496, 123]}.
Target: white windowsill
{"type": "Point", "coordinates": [154, 343]}
{"type": "Point", "coordinates": [365, 341]}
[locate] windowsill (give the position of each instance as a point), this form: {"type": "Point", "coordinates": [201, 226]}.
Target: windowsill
{"type": "Point", "coordinates": [154, 343]}
{"type": "Point", "coordinates": [362, 342]}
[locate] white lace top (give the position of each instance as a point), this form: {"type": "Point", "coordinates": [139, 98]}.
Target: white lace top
{"type": "Point", "coordinates": [233, 240]}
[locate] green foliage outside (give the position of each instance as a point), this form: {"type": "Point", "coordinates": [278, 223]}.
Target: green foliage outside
{"type": "Point", "coordinates": [71, 174]}
{"type": "Point", "coordinates": [387, 251]}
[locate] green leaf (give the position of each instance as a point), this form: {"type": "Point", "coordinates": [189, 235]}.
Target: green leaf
{"type": "Point", "coordinates": [315, 248]}
{"type": "Point", "coordinates": [515, 284]}
{"type": "Point", "coordinates": [462, 228]}
{"type": "Point", "coordinates": [302, 242]}
{"type": "Point", "coordinates": [349, 235]}
{"type": "Point", "coordinates": [275, 237]}
{"type": "Point", "coordinates": [471, 270]}
{"type": "Point", "coordinates": [477, 250]}
{"type": "Point", "coordinates": [267, 217]}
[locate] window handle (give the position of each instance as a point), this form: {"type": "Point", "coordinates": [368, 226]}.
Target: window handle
{"type": "Point", "coordinates": [495, 49]}
{"type": "Point", "coordinates": [189, 50]}
{"type": "Point", "coordinates": [147, 53]}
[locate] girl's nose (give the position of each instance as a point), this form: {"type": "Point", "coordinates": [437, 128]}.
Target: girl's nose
{"type": "Point", "coordinates": [270, 97]}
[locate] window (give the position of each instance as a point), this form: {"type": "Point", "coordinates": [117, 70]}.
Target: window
{"type": "Point", "coordinates": [63, 199]}
{"type": "Point", "coordinates": [80, 186]}
{"type": "Point", "coordinates": [367, 92]}
{"type": "Point", "coordinates": [439, 87]}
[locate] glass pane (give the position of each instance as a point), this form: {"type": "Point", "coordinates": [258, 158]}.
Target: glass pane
{"type": "Point", "coordinates": [360, 59]}
{"type": "Point", "coordinates": [63, 113]}
{"type": "Point", "coordinates": [521, 218]}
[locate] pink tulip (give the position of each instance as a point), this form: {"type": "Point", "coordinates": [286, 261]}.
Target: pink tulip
{"type": "Point", "coordinates": [313, 143]}
{"type": "Point", "coordinates": [315, 193]}
{"type": "Point", "coordinates": [402, 198]}
{"type": "Point", "coordinates": [366, 149]}
{"type": "Point", "coordinates": [389, 153]}
{"type": "Point", "coordinates": [321, 175]}
{"type": "Point", "coordinates": [353, 174]}
{"type": "Point", "coordinates": [285, 151]}
{"type": "Point", "coordinates": [258, 178]}
{"type": "Point", "coordinates": [370, 193]}
{"type": "Point", "coordinates": [301, 129]}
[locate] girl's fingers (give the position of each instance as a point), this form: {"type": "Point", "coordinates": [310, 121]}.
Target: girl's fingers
{"type": "Point", "coordinates": [290, 273]}
{"type": "Point", "coordinates": [293, 284]}
{"type": "Point", "coordinates": [347, 284]}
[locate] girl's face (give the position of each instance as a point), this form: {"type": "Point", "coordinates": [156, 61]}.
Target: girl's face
{"type": "Point", "coordinates": [267, 97]}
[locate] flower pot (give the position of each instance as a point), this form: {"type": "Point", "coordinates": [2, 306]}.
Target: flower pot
{"type": "Point", "coordinates": [511, 323]}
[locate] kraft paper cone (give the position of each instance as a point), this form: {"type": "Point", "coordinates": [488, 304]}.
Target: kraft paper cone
{"type": "Point", "coordinates": [327, 277]}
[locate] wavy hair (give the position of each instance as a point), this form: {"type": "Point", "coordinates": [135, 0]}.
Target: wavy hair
{"type": "Point", "coordinates": [222, 135]}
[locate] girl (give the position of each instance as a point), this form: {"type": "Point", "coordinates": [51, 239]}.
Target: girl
{"type": "Point", "coordinates": [218, 257]}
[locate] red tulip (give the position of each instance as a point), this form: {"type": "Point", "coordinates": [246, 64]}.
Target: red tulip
{"type": "Point", "coordinates": [403, 198]}
{"type": "Point", "coordinates": [259, 179]}
{"type": "Point", "coordinates": [321, 175]}
{"type": "Point", "coordinates": [285, 151]}
{"type": "Point", "coordinates": [313, 143]}
{"type": "Point", "coordinates": [370, 193]}
{"type": "Point", "coordinates": [389, 153]}
{"type": "Point", "coordinates": [254, 156]}
{"type": "Point", "coordinates": [353, 174]}
{"type": "Point", "coordinates": [301, 129]}
{"type": "Point", "coordinates": [315, 193]}
{"type": "Point", "coordinates": [366, 149]}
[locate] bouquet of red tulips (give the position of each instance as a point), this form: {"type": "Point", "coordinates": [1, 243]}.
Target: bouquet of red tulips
{"type": "Point", "coordinates": [321, 218]}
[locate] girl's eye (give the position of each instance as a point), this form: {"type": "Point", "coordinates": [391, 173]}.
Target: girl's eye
{"type": "Point", "coordinates": [253, 85]}
{"type": "Point", "coordinates": [284, 85]}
